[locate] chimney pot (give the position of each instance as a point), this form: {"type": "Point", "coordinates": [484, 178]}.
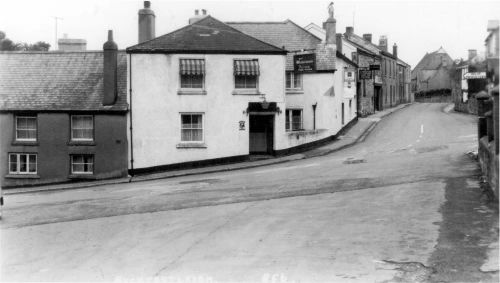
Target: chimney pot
{"type": "Point", "coordinates": [204, 12]}
{"type": "Point", "coordinates": [395, 50]}
{"type": "Point", "coordinates": [367, 37]}
{"type": "Point", "coordinates": [110, 71]}
{"type": "Point", "coordinates": [338, 39]}
{"type": "Point", "coordinates": [349, 31]}
{"type": "Point", "coordinates": [382, 42]}
{"type": "Point", "coordinates": [330, 27]}
{"type": "Point", "coordinates": [146, 23]}
{"type": "Point", "coordinates": [196, 12]}
{"type": "Point", "coordinates": [147, 4]}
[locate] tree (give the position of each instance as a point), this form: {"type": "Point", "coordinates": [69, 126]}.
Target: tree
{"type": "Point", "coordinates": [8, 45]}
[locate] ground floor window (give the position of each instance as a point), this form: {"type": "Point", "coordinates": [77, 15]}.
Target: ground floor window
{"type": "Point", "coordinates": [82, 164]}
{"type": "Point", "coordinates": [294, 119]}
{"type": "Point", "coordinates": [191, 127]}
{"type": "Point", "coordinates": [22, 163]}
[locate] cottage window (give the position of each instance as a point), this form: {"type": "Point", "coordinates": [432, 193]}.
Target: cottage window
{"type": "Point", "coordinates": [192, 72]}
{"type": "Point", "coordinates": [26, 129]}
{"type": "Point", "coordinates": [293, 80]}
{"type": "Point", "coordinates": [191, 127]}
{"type": "Point", "coordinates": [82, 164]}
{"type": "Point", "coordinates": [294, 120]}
{"type": "Point", "coordinates": [246, 74]}
{"type": "Point", "coordinates": [22, 163]}
{"type": "Point", "coordinates": [82, 128]}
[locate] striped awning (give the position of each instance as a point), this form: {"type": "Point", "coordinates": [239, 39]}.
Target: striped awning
{"type": "Point", "coordinates": [246, 67]}
{"type": "Point", "coordinates": [192, 67]}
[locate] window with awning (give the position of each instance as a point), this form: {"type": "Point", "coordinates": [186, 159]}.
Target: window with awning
{"type": "Point", "coordinates": [192, 72]}
{"type": "Point", "coordinates": [246, 73]}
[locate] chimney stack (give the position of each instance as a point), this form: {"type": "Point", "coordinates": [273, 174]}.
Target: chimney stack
{"type": "Point", "coordinates": [197, 16]}
{"type": "Point", "coordinates": [382, 43]}
{"type": "Point", "coordinates": [472, 53]}
{"type": "Point", "coordinates": [146, 23]}
{"type": "Point", "coordinates": [110, 67]}
{"type": "Point", "coordinates": [349, 31]}
{"type": "Point", "coordinates": [367, 37]}
{"type": "Point", "coordinates": [338, 40]}
{"type": "Point", "coordinates": [395, 50]}
{"type": "Point", "coordinates": [330, 27]}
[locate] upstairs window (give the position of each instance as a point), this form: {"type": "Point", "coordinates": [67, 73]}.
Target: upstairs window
{"type": "Point", "coordinates": [191, 127]}
{"type": "Point", "coordinates": [21, 163]}
{"type": "Point", "coordinates": [82, 128]}
{"type": "Point", "coordinates": [293, 120]}
{"type": "Point", "coordinates": [192, 72]}
{"type": "Point", "coordinates": [246, 74]}
{"type": "Point", "coordinates": [26, 128]}
{"type": "Point", "coordinates": [293, 80]}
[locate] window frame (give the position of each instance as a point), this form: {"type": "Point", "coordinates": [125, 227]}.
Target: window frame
{"type": "Point", "coordinates": [16, 128]}
{"type": "Point", "coordinates": [82, 139]}
{"type": "Point", "coordinates": [71, 163]}
{"type": "Point", "coordinates": [202, 80]}
{"type": "Point", "coordinates": [18, 163]}
{"type": "Point", "coordinates": [293, 76]}
{"type": "Point", "coordinates": [239, 89]}
{"type": "Point", "coordinates": [202, 127]}
{"type": "Point", "coordinates": [289, 121]}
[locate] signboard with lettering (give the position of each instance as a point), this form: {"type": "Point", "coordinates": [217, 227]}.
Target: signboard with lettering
{"type": "Point", "coordinates": [304, 63]}
{"type": "Point", "coordinates": [374, 67]}
{"type": "Point", "coordinates": [365, 74]}
{"type": "Point", "coordinates": [475, 75]}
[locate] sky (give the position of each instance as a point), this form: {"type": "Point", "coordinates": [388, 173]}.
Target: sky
{"type": "Point", "coordinates": [416, 27]}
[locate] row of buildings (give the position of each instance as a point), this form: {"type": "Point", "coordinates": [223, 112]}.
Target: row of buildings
{"type": "Point", "coordinates": [210, 92]}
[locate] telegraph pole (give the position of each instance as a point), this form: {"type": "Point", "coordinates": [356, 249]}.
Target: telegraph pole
{"type": "Point", "coordinates": [55, 35]}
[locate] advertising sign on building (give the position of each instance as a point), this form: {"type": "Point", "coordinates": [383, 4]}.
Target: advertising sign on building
{"type": "Point", "coordinates": [304, 63]}
{"type": "Point", "coordinates": [475, 75]}
{"type": "Point", "coordinates": [374, 67]}
{"type": "Point", "coordinates": [365, 74]}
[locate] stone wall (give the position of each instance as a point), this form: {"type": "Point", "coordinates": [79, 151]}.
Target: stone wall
{"type": "Point", "coordinates": [489, 163]}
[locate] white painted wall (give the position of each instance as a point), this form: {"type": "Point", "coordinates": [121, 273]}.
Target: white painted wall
{"type": "Point", "coordinates": [156, 107]}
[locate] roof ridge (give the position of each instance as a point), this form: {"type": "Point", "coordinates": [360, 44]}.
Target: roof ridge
{"type": "Point", "coordinates": [308, 32]}
{"type": "Point", "coordinates": [250, 22]}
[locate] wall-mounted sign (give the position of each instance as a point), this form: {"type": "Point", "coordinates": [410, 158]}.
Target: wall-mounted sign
{"type": "Point", "coordinates": [475, 75]}
{"type": "Point", "coordinates": [374, 67]}
{"type": "Point", "coordinates": [242, 125]}
{"type": "Point", "coordinates": [304, 63]}
{"type": "Point", "coordinates": [365, 74]}
{"type": "Point", "coordinates": [349, 76]}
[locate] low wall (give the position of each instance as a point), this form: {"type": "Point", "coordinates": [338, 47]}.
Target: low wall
{"type": "Point", "coordinates": [434, 99]}
{"type": "Point", "coordinates": [489, 163]}
{"type": "Point", "coordinates": [466, 107]}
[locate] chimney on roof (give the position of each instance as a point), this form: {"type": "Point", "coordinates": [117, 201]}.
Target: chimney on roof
{"type": "Point", "coordinates": [367, 37]}
{"type": "Point", "coordinates": [349, 31]}
{"type": "Point", "coordinates": [330, 27]}
{"type": "Point", "coordinates": [395, 50]}
{"type": "Point", "coordinates": [472, 53]}
{"type": "Point", "coordinates": [110, 71]}
{"type": "Point", "coordinates": [197, 16]}
{"type": "Point", "coordinates": [338, 39]}
{"type": "Point", "coordinates": [382, 42]}
{"type": "Point", "coordinates": [146, 23]}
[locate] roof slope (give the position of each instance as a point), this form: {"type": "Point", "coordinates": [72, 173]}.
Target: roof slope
{"type": "Point", "coordinates": [433, 61]}
{"type": "Point", "coordinates": [58, 81]}
{"type": "Point", "coordinates": [206, 36]}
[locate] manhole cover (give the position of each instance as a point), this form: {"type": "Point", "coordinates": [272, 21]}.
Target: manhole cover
{"type": "Point", "coordinates": [352, 160]}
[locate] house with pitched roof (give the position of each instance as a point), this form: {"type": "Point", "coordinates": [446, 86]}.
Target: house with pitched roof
{"type": "Point", "coordinates": [63, 116]}
{"type": "Point", "coordinates": [320, 82]}
{"type": "Point", "coordinates": [204, 93]}
{"type": "Point", "coordinates": [433, 72]}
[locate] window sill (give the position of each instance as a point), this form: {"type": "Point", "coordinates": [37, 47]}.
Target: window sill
{"type": "Point", "coordinates": [22, 176]}
{"type": "Point", "coordinates": [81, 143]}
{"type": "Point", "coordinates": [294, 91]}
{"type": "Point", "coordinates": [246, 92]}
{"type": "Point", "coordinates": [82, 176]}
{"type": "Point", "coordinates": [192, 92]}
{"type": "Point", "coordinates": [29, 143]}
{"type": "Point", "coordinates": [191, 145]}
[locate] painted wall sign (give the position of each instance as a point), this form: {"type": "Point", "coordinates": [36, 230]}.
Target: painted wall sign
{"type": "Point", "coordinates": [374, 67]}
{"type": "Point", "coordinates": [349, 76]}
{"type": "Point", "coordinates": [365, 74]}
{"type": "Point", "coordinates": [304, 63]}
{"type": "Point", "coordinates": [242, 125]}
{"type": "Point", "coordinates": [475, 75]}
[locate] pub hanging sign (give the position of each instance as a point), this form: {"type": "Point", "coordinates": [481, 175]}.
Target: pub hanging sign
{"type": "Point", "coordinates": [304, 63]}
{"type": "Point", "coordinates": [365, 74]}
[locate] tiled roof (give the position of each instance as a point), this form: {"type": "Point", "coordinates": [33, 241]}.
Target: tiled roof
{"type": "Point", "coordinates": [433, 61]}
{"type": "Point", "coordinates": [58, 81]}
{"type": "Point", "coordinates": [291, 37]}
{"type": "Point", "coordinates": [205, 36]}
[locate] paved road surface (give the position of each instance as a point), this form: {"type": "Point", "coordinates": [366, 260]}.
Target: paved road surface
{"type": "Point", "coordinates": [404, 205]}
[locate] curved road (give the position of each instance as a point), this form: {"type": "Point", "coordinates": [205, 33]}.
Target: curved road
{"type": "Point", "coordinates": [404, 205]}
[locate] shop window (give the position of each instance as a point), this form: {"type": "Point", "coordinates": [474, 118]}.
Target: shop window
{"type": "Point", "coordinates": [246, 74]}
{"type": "Point", "coordinates": [82, 128]}
{"type": "Point", "coordinates": [293, 80]}
{"type": "Point", "coordinates": [82, 164]}
{"type": "Point", "coordinates": [293, 120]}
{"type": "Point", "coordinates": [191, 127]}
{"type": "Point", "coordinates": [26, 128]}
{"type": "Point", "coordinates": [22, 163]}
{"type": "Point", "coordinates": [192, 73]}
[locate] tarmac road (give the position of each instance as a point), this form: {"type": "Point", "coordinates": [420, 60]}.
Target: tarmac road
{"type": "Point", "coordinates": [405, 205]}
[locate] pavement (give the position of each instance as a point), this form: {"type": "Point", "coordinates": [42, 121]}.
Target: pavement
{"type": "Point", "coordinates": [355, 134]}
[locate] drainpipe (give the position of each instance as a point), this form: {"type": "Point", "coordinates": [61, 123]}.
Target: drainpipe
{"type": "Point", "coordinates": [314, 115]}
{"type": "Point", "coordinates": [131, 128]}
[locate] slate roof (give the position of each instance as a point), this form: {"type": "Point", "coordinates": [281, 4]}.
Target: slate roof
{"type": "Point", "coordinates": [293, 38]}
{"type": "Point", "coordinates": [206, 36]}
{"type": "Point", "coordinates": [58, 81]}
